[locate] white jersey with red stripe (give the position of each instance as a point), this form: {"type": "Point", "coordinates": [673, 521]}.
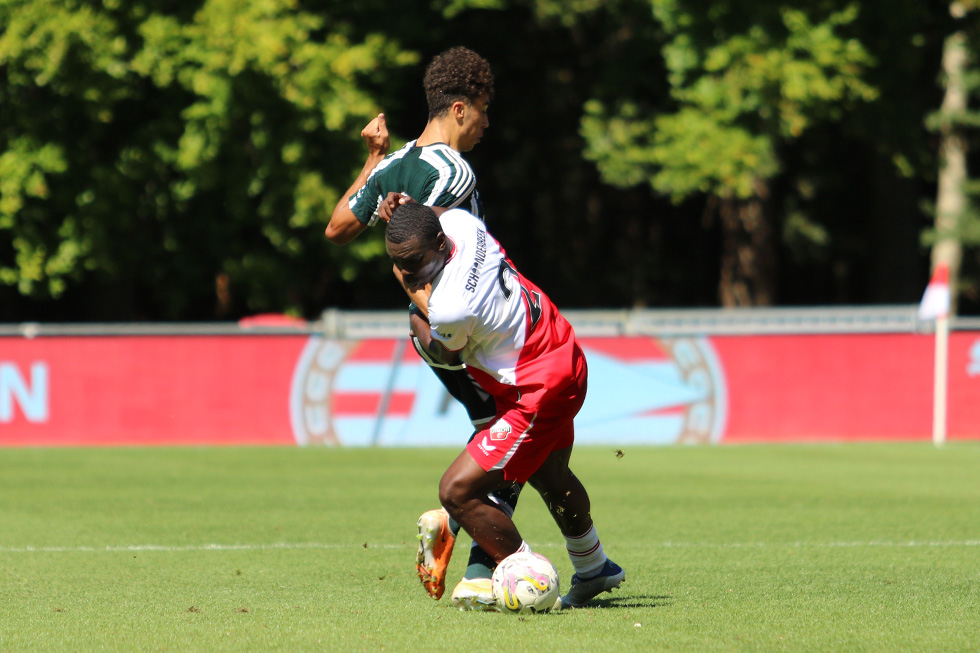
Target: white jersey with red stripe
{"type": "Point", "coordinates": [513, 340]}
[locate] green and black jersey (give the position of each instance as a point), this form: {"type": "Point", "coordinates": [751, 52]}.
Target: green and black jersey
{"type": "Point", "coordinates": [435, 175]}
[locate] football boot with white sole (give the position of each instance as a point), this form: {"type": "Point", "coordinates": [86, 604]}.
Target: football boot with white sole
{"type": "Point", "coordinates": [474, 594]}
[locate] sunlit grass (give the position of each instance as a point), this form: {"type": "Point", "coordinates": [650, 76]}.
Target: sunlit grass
{"type": "Point", "coordinates": [799, 548]}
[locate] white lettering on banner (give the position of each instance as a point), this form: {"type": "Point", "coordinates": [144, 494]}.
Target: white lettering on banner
{"type": "Point", "coordinates": [973, 367]}
{"type": "Point", "coordinates": [32, 398]}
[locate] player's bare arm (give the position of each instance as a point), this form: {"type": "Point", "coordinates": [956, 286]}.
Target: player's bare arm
{"type": "Point", "coordinates": [344, 225]}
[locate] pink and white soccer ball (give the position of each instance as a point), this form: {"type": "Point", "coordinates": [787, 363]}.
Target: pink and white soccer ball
{"type": "Point", "coordinates": [525, 583]}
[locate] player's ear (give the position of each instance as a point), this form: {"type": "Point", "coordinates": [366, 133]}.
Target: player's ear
{"type": "Point", "coordinates": [442, 243]}
{"type": "Point", "coordinates": [458, 109]}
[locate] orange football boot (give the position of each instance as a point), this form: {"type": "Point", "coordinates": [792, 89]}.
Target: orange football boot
{"type": "Point", "coordinates": [436, 542]}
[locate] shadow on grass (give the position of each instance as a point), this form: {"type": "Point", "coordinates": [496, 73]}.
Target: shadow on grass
{"type": "Point", "coordinates": [629, 601]}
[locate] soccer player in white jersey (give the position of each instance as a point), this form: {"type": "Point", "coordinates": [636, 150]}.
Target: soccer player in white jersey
{"type": "Point", "coordinates": [458, 87]}
{"type": "Point", "coordinates": [473, 305]}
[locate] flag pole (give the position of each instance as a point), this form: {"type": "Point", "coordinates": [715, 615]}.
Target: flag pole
{"type": "Point", "coordinates": [939, 381]}
{"type": "Point", "coordinates": [935, 306]}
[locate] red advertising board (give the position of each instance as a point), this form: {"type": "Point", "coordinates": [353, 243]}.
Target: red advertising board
{"type": "Point", "coordinates": [841, 387]}
{"type": "Point", "coordinates": [146, 390]}
{"type": "Point", "coordinates": [279, 390]}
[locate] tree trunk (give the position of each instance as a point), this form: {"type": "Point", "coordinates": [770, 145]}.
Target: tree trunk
{"type": "Point", "coordinates": [748, 252]}
{"type": "Point", "coordinates": [951, 200]}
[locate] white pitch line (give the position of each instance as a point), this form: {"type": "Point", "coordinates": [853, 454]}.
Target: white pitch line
{"type": "Point", "coordinates": [135, 548]}
{"type": "Point", "coordinates": [131, 548]}
{"type": "Point", "coordinates": [824, 545]}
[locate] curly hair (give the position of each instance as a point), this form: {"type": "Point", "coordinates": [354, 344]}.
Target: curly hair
{"type": "Point", "coordinates": [413, 219]}
{"type": "Point", "coordinates": [458, 74]}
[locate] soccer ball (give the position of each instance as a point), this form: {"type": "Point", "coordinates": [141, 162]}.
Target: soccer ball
{"type": "Point", "coordinates": [525, 583]}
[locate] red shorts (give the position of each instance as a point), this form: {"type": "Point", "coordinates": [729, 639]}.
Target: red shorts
{"type": "Point", "coordinates": [519, 439]}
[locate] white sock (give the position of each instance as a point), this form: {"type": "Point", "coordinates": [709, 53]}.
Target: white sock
{"type": "Point", "coordinates": [524, 548]}
{"type": "Point", "coordinates": [585, 552]}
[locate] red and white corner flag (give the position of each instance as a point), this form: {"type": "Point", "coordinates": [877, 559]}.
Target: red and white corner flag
{"type": "Point", "coordinates": [935, 301]}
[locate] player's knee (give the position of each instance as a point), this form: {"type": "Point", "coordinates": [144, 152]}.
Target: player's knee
{"type": "Point", "coordinates": [452, 493]}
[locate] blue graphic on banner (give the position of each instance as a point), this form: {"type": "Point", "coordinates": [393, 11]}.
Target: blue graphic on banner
{"type": "Point", "coordinates": [680, 398]}
{"type": "Point", "coordinates": [624, 398]}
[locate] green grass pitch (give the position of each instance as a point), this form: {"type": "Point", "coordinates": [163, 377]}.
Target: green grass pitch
{"type": "Point", "coordinates": [858, 547]}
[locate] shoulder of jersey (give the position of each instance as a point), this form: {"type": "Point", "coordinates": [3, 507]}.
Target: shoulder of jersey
{"type": "Point", "coordinates": [460, 217]}
{"type": "Point", "coordinates": [445, 153]}
{"type": "Point", "coordinates": [442, 157]}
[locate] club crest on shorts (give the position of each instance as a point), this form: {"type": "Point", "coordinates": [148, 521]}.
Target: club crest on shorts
{"type": "Point", "coordinates": [500, 431]}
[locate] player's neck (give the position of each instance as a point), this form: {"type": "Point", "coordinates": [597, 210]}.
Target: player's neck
{"type": "Point", "coordinates": [439, 131]}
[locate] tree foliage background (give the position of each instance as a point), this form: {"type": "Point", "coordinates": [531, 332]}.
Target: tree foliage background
{"type": "Point", "coordinates": [179, 160]}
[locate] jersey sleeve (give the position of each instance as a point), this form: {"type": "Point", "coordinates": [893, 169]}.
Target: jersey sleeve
{"type": "Point", "coordinates": [451, 330]}
{"type": "Point", "coordinates": [365, 202]}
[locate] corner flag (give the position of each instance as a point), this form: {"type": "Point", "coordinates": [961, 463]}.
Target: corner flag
{"type": "Point", "coordinates": [935, 301]}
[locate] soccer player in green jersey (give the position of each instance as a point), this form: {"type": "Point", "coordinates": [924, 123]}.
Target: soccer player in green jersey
{"type": "Point", "coordinates": [458, 88]}
{"type": "Point", "coordinates": [430, 169]}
